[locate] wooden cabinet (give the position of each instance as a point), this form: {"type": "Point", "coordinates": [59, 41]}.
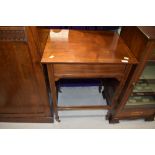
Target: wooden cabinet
{"type": "Point", "coordinates": [137, 99]}
{"type": "Point", "coordinates": [23, 92]}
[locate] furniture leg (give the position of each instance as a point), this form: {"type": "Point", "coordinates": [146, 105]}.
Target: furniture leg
{"type": "Point", "coordinates": [150, 118]}
{"type": "Point", "coordinates": [113, 120]}
{"type": "Point", "coordinates": [121, 84]}
{"type": "Point", "coordinates": [103, 94]}
{"type": "Point", "coordinates": [100, 88]}
{"type": "Point", "coordinates": [53, 90]}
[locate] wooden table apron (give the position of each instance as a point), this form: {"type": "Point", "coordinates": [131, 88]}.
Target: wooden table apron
{"type": "Point", "coordinates": [60, 70]}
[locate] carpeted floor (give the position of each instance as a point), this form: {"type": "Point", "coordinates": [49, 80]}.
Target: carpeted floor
{"type": "Point", "coordinates": [84, 119]}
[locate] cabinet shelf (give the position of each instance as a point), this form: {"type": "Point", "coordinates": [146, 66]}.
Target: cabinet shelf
{"type": "Point", "coordinates": [147, 101]}
{"type": "Point", "coordinates": [144, 87]}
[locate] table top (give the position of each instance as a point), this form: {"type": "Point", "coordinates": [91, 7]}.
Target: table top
{"type": "Point", "coordinates": [79, 46]}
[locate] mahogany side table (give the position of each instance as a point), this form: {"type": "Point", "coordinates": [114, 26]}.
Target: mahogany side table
{"type": "Point", "coordinates": [86, 54]}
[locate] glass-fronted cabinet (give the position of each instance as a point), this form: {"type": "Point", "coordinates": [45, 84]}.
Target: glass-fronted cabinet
{"type": "Point", "coordinates": [137, 99]}
{"type": "Point", "coordinates": [143, 94]}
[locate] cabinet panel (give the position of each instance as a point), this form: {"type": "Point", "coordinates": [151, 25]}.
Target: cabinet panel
{"type": "Point", "coordinates": [22, 85]}
{"type": "Point", "coordinates": [18, 87]}
{"type": "Point", "coordinates": [152, 58]}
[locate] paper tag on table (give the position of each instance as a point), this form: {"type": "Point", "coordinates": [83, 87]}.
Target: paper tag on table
{"type": "Point", "coordinates": [62, 35]}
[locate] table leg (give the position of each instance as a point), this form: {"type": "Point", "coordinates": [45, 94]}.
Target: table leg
{"type": "Point", "coordinates": [53, 90]}
{"type": "Point", "coordinates": [121, 84]}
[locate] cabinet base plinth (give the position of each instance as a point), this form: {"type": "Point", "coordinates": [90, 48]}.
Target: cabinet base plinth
{"type": "Point", "coordinates": [27, 119]}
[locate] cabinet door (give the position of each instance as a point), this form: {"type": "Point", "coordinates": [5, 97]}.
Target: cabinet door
{"type": "Point", "coordinates": [22, 85]}
{"type": "Point", "coordinates": [143, 94]}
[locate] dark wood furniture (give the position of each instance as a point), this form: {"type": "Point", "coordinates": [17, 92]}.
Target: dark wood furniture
{"type": "Point", "coordinates": [23, 92]}
{"type": "Point", "coordinates": [137, 99]}
{"type": "Point", "coordinates": [86, 54]}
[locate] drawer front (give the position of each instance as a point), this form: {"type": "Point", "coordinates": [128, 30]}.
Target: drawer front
{"type": "Point", "coordinates": [88, 70]}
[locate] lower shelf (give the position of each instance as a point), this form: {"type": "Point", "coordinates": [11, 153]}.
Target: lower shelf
{"type": "Point", "coordinates": [144, 87]}
{"type": "Point", "coordinates": [141, 102]}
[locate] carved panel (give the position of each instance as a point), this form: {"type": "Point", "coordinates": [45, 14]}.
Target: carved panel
{"type": "Point", "coordinates": [12, 34]}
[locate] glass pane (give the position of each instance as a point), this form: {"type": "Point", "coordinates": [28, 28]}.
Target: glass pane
{"type": "Point", "coordinates": [149, 72]}
{"type": "Point", "coordinates": [144, 91]}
